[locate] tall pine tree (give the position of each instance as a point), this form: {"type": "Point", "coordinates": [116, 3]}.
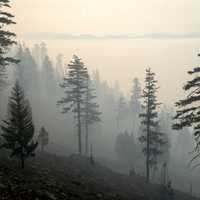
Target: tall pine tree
{"type": "Point", "coordinates": [151, 137]}
{"type": "Point", "coordinates": [6, 38]}
{"type": "Point", "coordinates": [188, 109]}
{"type": "Point", "coordinates": [18, 130]}
{"type": "Point", "coordinates": [92, 114]}
{"type": "Point", "coordinates": [74, 84]}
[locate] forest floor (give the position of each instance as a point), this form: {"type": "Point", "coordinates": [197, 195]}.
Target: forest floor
{"type": "Point", "coordinates": [50, 177]}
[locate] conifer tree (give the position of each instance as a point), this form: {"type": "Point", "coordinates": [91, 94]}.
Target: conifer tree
{"type": "Point", "coordinates": [6, 38]}
{"type": "Point", "coordinates": [48, 75]}
{"type": "Point", "coordinates": [135, 104]}
{"type": "Point", "coordinates": [188, 110]}
{"type": "Point", "coordinates": [165, 119]}
{"type": "Point", "coordinates": [18, 129]}
{"type": "Point", "coordinates": [36, 54]}
{"type": "Point", "coordinates": [121, 107]}
{"type": "Point", "coordinates": [74, 85]}
{"type": "Point", "coordinates": [126, 148]}
{"type": "Point", "coordinates": [151, 137]}
{"type": "Point", "coordinates": [43, 52]}
{"type": "Point", "coordinates": [136, 96]}
{"type": "Point", "coordinates": [26, 71]}
{"type": "Point", "coordinates": [43, 138]}
{"type": "Point", "coordinates": [59, 67]}
{"type": "Point", "coordinates": [92, 114]}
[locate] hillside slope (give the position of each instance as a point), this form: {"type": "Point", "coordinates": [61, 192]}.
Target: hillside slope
{"type": "Point", "coordinates": [49, 177]}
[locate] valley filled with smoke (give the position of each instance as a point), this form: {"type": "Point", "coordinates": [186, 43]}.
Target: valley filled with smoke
{"type": "Point", "coordinates": [115, 139]}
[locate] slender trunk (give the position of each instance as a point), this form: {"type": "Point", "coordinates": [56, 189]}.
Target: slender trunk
{"type": "Point", "coordinates": [147, 157]}
{"type": "Point", "coordinates": [86, 139]}
{"type": "Point", "coordinates": [87, 117]}
{"type": "Point", "coordinates": [78, 102]}
{"type": "Point", "coordinates": [79, 128]}
{"type": "Point", "coordinates": [148, 139]}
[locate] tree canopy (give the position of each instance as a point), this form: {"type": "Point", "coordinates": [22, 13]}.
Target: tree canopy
{"type": "Point", "coordinates": [18, 129]}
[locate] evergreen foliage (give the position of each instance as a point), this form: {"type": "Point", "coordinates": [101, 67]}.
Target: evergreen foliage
{"type": "Point", "coordinates": [59, 67]}
{"type": "Point", "coordinates": [152, 137]}
{"type": "Point", "coordinates": [165, 118]}
{"type": "Point", "coordinates": [74, 85]}
{"type": "Point", "coordinates": [136, 96]}
{"type": "Point", "coordinates": [27, 70]}
{"type": "Point", "coordinates": [18, 130]}
{"type": "Point", "coordinates": [188, 110]}
{"type": "Point", "coordinates": [48, 76]}
{"type": "Point", "coordinates": [135, 104]}
{"type": "Point", "coordinates": [7, 39]}
{"type": "Point", "coordinates": [121, 110]}
{"type": "Point", "coordinates": [126, 148]}
{"type": "Point", "coordinates": [92, 113]}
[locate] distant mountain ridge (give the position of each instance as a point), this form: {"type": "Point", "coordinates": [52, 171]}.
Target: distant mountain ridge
{"type": "Point", "coordinates": [86, 36]}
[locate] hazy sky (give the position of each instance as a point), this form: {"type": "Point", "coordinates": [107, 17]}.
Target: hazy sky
{"type": "Point", "coordinates": [107, 16]}
{"type": "Point", "coordinates": [119, 59]}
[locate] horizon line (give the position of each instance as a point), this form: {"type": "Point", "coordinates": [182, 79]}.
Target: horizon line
{"type": "Point", "coordinates": [86, 36]}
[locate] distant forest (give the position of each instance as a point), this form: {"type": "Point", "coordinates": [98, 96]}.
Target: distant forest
{"type": "Point", "coordinates": [63, 107]}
